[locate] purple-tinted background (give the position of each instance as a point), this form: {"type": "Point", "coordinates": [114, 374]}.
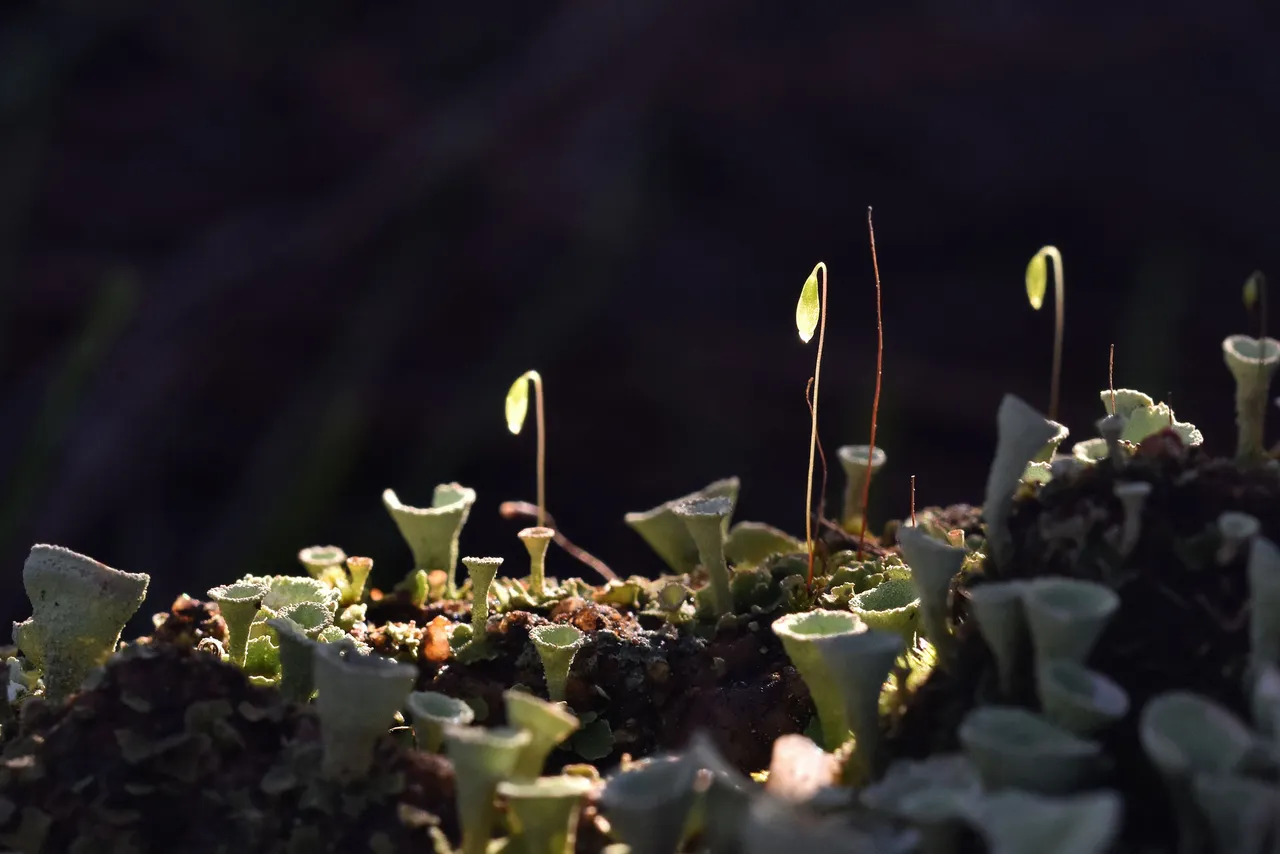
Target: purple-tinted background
{"type": "Point", "coordinates": [260, 261]}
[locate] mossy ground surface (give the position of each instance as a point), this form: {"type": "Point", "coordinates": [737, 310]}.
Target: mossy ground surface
{"type": "Point", "coordinates": [1182, 622]}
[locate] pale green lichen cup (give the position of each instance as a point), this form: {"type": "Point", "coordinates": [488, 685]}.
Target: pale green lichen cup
{"type": "Point", "coordinates": [706, 520]}
{"type": "Point", "coordinates": [358, 697]}
{"type": "Point", "coordinates": [482, 758]}
{"type": "Point", "coordinates": [802, 635]}
{"type": "Point", "coordinates": [548, 725]}
{"type": "Point", "coordinates": [1252, 363]}
{"type": "Point", "coordinates": [667, 535]}
{"type": "Point", "coordinates": [79, 607]}
{"type": "Point", "coordinates": [860, 464]}
{"type": "Point", "coordinates": [544, 812]}
{"type": "Point", "coordinates": [432, 532]}
{"type": "Point", "coordinates": [557, 646]}
{"type": "Point", "coordinates": [432, 712]}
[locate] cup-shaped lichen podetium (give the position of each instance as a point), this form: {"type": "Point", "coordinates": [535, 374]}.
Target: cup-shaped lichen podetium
{"type": "Point", "coordinates": [318, 560]}
{"type": "Point", "coordinates": [1186, 736]}
{"type": "Point", "coordinates": [297, 659]}
{"type": "Point", "coordinates": [668, 536]}
{"type": "Point", "coordinates": [890, 606]}
{"type": "Point", "coordinates": [859, 663]}
{"type": "Point", "coordinates": [801, 635]}
{"type": "Point", "coordinates": [432, 532]}
{"type": "Point", "coordinates": [239, 604]}
{"type": "Point", "coordinates": [482, 571]}
{"type": "Point", "coordinates": [1002, 621]}
{"type": "Point", "coordinates": [1264, 603]}
{"type": "Point", "coordinates": [1241, 812]}
{"type": "Point", "coordinates": [1133, 497]}
{"type": "Point", "coordinates": [557, 645]}
{"type": "Point", "coordinates": [1021, 433]}
{"type": "Point", "coordinates": [1077, 699]}
{"type": "Point", "coordinates": [358, 697]}
{"type": "Point", "coordinates": [548, 724]}
{"type": "Point", "coordinates": [854, 460]}
{"type": "Point", "coordinates": [1252, 362]}
{"type": "Point", "coordinates": [648, 805]}
{"type": "Point", "coordinates": [544, 812]}
{"type": "Point", "coordinates": [1014, 822]}
{"type": "Point", "coordinates": [482, 758]}
{"type": "Point", "coordinates": [1111, 428]}
{"type": "Point", "coordinates": [1049, 448]}
{"type": "Point", "coordinates": [705, 519]}
{"type": "Point", "coordinates": [1066, 616]}
{"type": "Point", "coordinates": [536, 541]}
{"type": "Point", "coordinates": [78, 609]}
{"type": "Point", "coordinates": [1014, 748]}
{"type": "Point", "coordinates": [933, 564]}
{"type": "Point", "coordinates": [432, 712]}
{"type": "Point", "coordinates": [358, 569]}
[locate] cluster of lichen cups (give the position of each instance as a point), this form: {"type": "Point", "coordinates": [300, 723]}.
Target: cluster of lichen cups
{"type": "Point", "coordinates": [1026, 781]}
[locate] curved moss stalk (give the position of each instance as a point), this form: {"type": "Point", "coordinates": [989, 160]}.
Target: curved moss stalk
{"type": "Point", "coordinates": [516, 409]}
{"type": "Point", "coordinates": [875, 401]}
{"type": "Point", "coordinates": [811, 313]}
{"type": "Point", "coordinates": [1037, 282]}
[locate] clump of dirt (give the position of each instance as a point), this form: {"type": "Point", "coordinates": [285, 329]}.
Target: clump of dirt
{"type": "Point", "coordinates": [169, 749]}
{"type": "Point", "coordinates": [189, 621]}
{"type": "Point", "coordinates": [653, 688]}
{"type": "Point", "coordinates": [1183, 617]}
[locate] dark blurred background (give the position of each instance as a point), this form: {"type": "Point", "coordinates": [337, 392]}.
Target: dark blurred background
{"type": "Point", "coordinates": [259, 261]}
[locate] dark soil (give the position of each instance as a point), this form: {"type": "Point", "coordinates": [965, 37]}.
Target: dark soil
{"type": "Point", "coordinates": [654, 687]}
{"type": "Point", "coordinates": [171, 750]}
{"type": "Point", "coordinates": [1182, 623]}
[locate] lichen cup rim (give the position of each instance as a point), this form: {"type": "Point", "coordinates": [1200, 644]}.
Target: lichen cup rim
{"type": "Point", "coordinates": [825, 623]}
{"type": "Point", "coordinates": [856, 455]}
{"type": "Point", "coordinates": [440, 707]}
{"type": "Point", "coordinates": [559, 636]}
{"type": "Point", "coordinates": [986, 725]}
{"type": "Point", "coordinates": [1012, 746]}
{"type": "Point", "coordinates": [800, 634]}
{"type": "Point", "coordinates": [558, 786]}
{"type": "Point", "coordinates": [1246, 349]}
{"type": "Point", "coordinates": [1078, 699]}
{"type": "Point", "coordinates": [1173, 728]}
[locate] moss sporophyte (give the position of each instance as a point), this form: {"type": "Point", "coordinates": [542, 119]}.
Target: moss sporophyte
{"type": "Point", "coordinates": [1087, 663]}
